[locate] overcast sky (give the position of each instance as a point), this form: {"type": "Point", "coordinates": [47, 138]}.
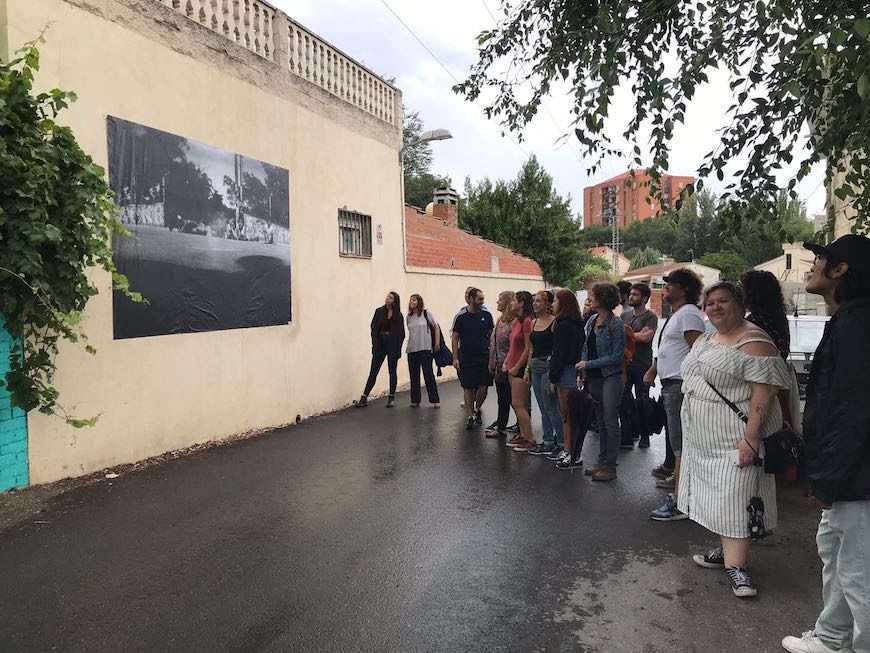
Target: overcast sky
{"type": "Point", "coordinates": [367, 31]}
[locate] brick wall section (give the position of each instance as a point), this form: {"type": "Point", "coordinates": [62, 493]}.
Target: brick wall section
{"type": "Point", "coordinates": [13, 427]}
{"type": "Point", "coordinates": [432, 244]}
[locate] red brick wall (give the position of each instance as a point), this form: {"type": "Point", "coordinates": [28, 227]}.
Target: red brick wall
{"type": "Point", "coordinates": [432, 244]}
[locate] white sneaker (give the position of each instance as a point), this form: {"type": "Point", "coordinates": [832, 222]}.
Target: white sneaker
{"type": "Point", "coordinates": [806, 643]}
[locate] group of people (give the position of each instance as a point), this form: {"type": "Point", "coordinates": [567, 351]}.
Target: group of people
{"type": "Point", "coordinates": [721, 359]}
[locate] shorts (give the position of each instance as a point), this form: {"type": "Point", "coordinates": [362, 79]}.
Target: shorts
{"type": "Point", "coordinates": [568, 378]}
{"type": "Point", "coordinates": [475, 375]}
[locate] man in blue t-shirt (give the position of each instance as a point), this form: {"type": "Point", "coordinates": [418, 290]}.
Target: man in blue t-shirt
{"type": "Point", "coordinates": [471, 331]}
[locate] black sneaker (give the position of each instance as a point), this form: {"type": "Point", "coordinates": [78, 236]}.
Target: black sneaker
{"type": "Point", "coordinates": [740, 582]}
{"type": "Point", "coordinates": [567, 463]}
{"type": "Point", "coordinates": [626, 445]}
{"type": "Point", "coordinates": [644, 442]}
{"type": "Point", "coordinates": [492, 427]}
{"type": "Point", "coordinates": [478, 418]}
{"type": "Point", "coordinates": [542, 449]}
{"type": "Point", "coordinates": [513, 429]}
{"type": "Point", "coordinates": [469, 423]}
{"type": "Point", "coordinates": [362, 402]}
{"type": "Point", "coordinates": [555, 453]}
{"type": "Point", "coordinates": [713, 559]}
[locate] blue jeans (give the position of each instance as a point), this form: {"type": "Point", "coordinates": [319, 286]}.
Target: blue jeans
{"type": "Point", "coordinates": [842, 540]}
{"type": "Point", "coordinates": [608, 393]}
{"type": "Point", "coordinates": [551, 418]}
{"type": "Point", "coordinates": [672, 397]}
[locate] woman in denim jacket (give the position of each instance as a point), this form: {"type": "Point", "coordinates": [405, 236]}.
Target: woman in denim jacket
{"type": "Point", "coordinates": [601, 367]}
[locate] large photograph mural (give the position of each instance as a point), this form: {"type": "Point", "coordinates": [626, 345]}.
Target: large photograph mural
{"type": "Point", "coordinates": [211, 235]}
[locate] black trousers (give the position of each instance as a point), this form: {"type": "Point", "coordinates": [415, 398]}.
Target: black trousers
{"type": "Point", "coordinates": [631, 416]}
{"type": "Point", "coordinates": [416, 361]}
{"type": "Point", "coordinates": [503, 390]}
{"type": "Point", "coordinates": [377, 361]}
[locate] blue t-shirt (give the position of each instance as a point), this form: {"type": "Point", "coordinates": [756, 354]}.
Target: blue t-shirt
{"type": "Point", "coordinates": [473, 330]}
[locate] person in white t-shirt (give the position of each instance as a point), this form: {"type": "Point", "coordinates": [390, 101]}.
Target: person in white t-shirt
{"type": "Point", "coordinates": [682, 291]}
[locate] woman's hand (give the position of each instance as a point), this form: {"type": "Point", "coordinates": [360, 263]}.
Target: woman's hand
{"type": "Point", "coordinates": [553, 390]}
{"type": "Point", "coordinates": [580, 366]}
{"type": "Point", "coordinates": [747, 452]}
{"type": "Point", "coordinates": [504, 367]}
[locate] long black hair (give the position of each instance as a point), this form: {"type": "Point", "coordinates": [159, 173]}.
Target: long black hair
{"type": "Point", "coordinates": [763, 299]}
{"type": "Point", "coordinates": [525, 298]}
{"type": "Point", "coordinates": [397, 308]}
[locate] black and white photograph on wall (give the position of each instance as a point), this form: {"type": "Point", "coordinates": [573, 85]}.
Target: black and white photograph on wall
{"type": "Point", "coordinates": [211, 235]}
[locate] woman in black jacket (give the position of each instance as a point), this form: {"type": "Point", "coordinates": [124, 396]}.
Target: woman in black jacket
{"type": "Point", "coordinates": [568, 338]}
{"type": "Point", "coordinates": [388, 334]}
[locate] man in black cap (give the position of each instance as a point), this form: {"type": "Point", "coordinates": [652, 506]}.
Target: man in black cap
{"type": "Point", "coordinates": [837, 448]}
{"type": "Point", "coordinates": [682, 291]}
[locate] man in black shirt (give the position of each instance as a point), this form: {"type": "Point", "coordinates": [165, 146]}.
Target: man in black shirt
{"type": "Point", "coordinates": [644, 324]}
{"type": "Point", "coordinates": [471, 331]}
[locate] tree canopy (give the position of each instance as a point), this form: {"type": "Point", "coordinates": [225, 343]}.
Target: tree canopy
{"type": "Point", "coordinates": [795, 67]}
{"type": "Point", "coordinates": [527, 215]}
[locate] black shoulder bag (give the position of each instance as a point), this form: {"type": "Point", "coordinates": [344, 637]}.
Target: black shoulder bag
{"type": "Point", "coordinates": [782, 449]}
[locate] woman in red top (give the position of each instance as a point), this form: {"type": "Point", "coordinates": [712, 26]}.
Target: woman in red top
{"type": "Point", "coordinates": [515, 366]}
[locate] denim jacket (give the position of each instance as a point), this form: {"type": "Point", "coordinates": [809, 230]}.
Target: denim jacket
{"type": "Point", "coordinates": [611, 347]}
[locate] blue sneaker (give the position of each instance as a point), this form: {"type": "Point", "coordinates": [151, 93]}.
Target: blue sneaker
{"type": "Point", "coordinates": [669, 511]}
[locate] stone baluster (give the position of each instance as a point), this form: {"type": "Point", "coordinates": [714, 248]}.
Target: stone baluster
{"type": "Point", "coordinates": [269, 45]}
{"type": "Point", "coordinates": [227, 17]}
{"type": "Point", "coordinates": [323, 73]}
{"type": "Point", "coordinates": [308, 58]}
{"type": "Point", "coordinates": [204, 17]}
{"type": "Point", "coordinates": [256, 42]}
{"type": "Point", "coordinates": [217, 17]}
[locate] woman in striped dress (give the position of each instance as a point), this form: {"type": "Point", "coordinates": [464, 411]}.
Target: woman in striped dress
{"type": "Point", "coordinates": [720, 471]}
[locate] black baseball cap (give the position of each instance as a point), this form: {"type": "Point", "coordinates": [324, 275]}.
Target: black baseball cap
{"type": "Point", "coordinates": [851, 249]}
{"type": "Point", "coordinates": [685, 278]}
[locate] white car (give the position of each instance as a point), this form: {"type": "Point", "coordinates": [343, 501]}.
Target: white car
{"type": "Point", "coordinates": [806, 332]}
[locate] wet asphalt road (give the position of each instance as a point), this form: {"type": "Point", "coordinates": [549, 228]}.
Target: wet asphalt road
{"type": "Point", "coordinates": [388, 530]}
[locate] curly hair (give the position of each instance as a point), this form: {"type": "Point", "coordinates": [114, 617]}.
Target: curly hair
{"type": "Point", "coordinates": [607, 295]}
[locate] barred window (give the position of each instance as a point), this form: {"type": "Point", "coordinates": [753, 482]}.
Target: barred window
{"type": "Point", "coordinates": [354, 233]}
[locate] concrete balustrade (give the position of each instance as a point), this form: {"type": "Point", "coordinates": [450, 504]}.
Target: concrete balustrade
{"type": "Point", "coordinates": [273, 35]}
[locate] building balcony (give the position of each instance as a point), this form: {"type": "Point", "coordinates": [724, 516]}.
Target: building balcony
{"type": "Point", "coordinates": [274, 36]}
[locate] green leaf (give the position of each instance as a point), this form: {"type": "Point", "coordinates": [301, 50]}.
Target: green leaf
{"type": "Point", "coordinates": [862, 27]}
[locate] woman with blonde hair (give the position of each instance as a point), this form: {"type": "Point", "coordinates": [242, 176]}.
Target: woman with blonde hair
{"type": "Point", "coordinates": [499, 345]}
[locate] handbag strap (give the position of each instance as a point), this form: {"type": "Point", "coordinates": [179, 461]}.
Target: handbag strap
{"type": "Point", "coordinates": [730, 403]}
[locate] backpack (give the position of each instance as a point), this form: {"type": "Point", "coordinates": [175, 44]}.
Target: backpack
{"type": "Point", "coordinates": [628, 352]}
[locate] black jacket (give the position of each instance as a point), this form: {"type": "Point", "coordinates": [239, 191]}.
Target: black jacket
{"type": "Point", "coordinates": [837, 413]}
{"type": "Point", "coordinates": [568, 339]}
{"type": "Point", "coordinates": [393, 342]}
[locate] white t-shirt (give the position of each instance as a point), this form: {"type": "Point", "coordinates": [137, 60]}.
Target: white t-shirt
{"type": "Point", "coordinates": [673, 348]}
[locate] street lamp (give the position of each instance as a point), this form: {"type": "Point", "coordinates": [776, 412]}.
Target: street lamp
{"type": "Point", "coordinates": [425, 137]}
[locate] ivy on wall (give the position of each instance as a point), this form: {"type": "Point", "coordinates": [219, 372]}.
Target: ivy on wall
{"type": "Point", "coordinates": [57, 215]}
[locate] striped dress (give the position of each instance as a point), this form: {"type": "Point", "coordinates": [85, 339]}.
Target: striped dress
{"type": "Point", "coordinates": [714, 492]}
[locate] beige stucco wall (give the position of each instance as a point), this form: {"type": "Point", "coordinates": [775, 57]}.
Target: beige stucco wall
{"type": "Point", "coordinates": [801, 264]}
{"type": "Point", "coordinates": [162, 393]}
{"type": "Point", "coordinates": [624, 264]}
